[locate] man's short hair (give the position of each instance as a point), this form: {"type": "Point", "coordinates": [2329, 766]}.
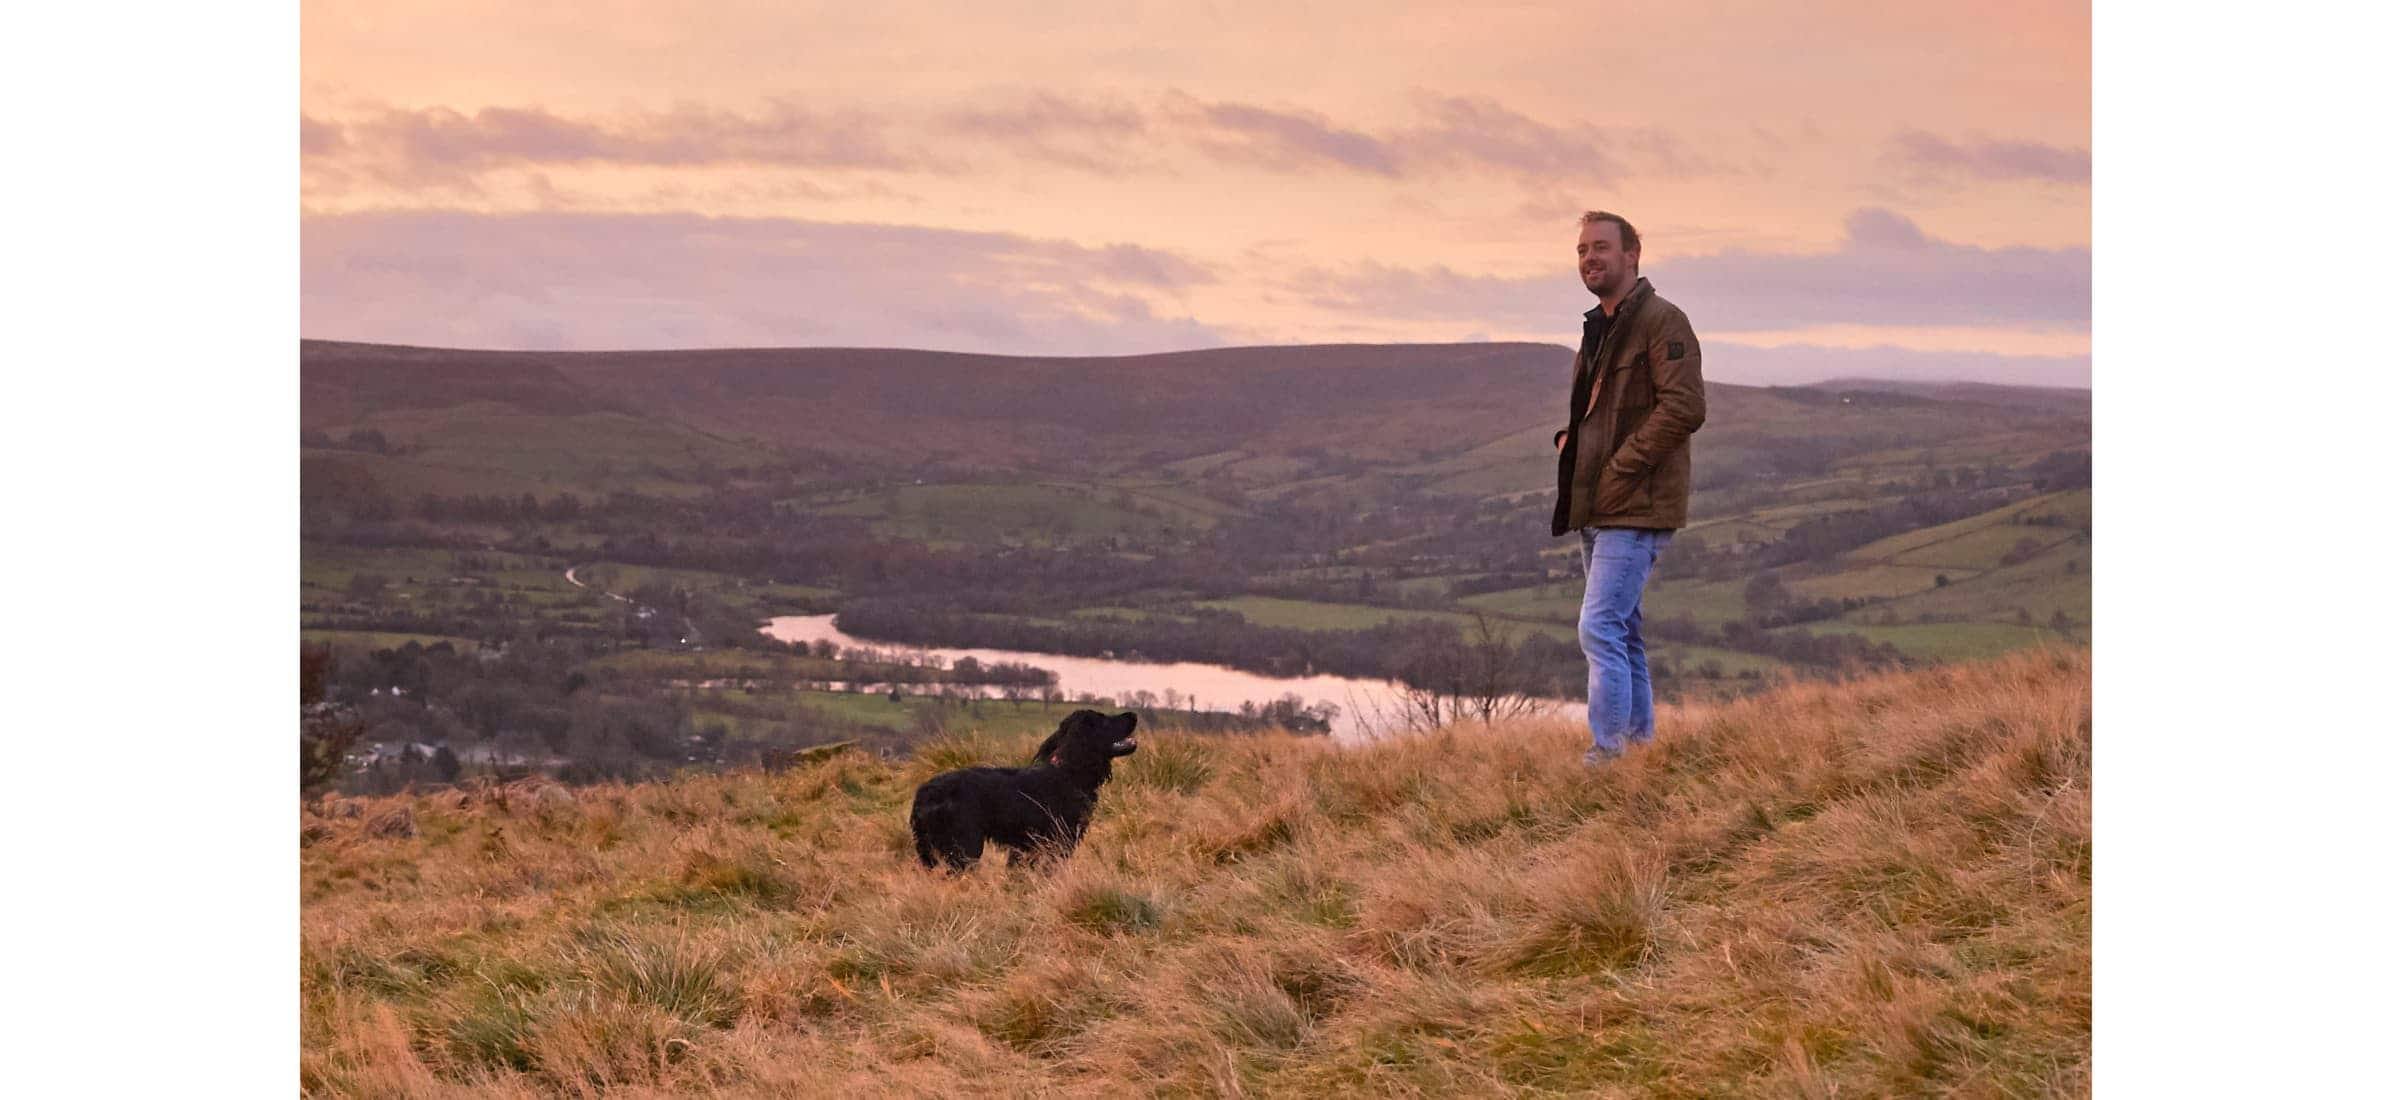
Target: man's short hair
{"type": "Point", "coordinates": [1629, 242]}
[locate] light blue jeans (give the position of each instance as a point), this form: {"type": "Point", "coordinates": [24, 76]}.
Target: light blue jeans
{"type": "Point", "coordinates": [1619, 692]}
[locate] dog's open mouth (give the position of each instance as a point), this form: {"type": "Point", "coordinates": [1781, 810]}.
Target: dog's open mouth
{"type": "Point", "coordinates": [1125, 746]}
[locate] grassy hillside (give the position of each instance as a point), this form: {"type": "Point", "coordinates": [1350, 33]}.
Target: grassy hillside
{"type": "Point", "coordinates": [1872, 888]}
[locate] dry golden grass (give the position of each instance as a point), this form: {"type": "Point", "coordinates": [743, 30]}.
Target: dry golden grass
{"type": "Point", "coordinates": [1876, 888]}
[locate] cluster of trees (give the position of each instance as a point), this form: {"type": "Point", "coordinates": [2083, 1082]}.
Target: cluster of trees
{"type": "Point", "coordinates": [1769, 603]}
{"type": "Point", "coordinates": [2062, 470]}
{"type": "Point", "coordinates": [368, 440]}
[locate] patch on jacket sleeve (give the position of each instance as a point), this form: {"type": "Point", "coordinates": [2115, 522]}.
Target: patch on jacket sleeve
{"type": "Point", "coordinates": [1676, 350]}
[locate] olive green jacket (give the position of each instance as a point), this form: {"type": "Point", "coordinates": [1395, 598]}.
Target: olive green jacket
{"type": "Point", "coordinates": [1627, 458]}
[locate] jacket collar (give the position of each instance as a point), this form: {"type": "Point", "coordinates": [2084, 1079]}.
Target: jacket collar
{"type": "Point", "coordinates": [1643, 287]}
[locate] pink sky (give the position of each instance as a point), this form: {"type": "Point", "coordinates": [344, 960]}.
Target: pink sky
{"type": "Point", "coordinates": [1907, 182]}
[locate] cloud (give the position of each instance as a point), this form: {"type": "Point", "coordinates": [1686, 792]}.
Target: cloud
{"type": "Point", "coordinates": [1483, 133]}
{"type": "Point", "coordinates": [318, 138]}
{"type": "Point", "coordinates": [440, 147]}
{"type": "Point", "coordinates": [1890, 272]}
{"type": "Point", "coordinates": [1926, 158]}
{"type": "Point", "coordinates": [1105, 138]}
{"type": "Point", "coordinates": [1887, 271]}
{"type": "Point", "coordinates": [591, 281]}
{"type": "Point", "coordinates": [1479, 134]}
{"type": "Point", "coordinates": [1280, 139]}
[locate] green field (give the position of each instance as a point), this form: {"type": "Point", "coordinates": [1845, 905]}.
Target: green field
{"type": "Point", "coordinates": [1709, 602]}
{"type": "Point", "coordinates": [1135, 614]}
{"type": "Point", "coordinates": [1506, 477]}
{"type": "Point", "coordinates": [1320, 615]}
{"type": "Point", "coordinates": [623, 578]}
{"type": "Point", "coordinates": [1863, 581]}
{"type": "Point", "coordinates": [1943, 641]}
{"type": "Point", "coordinates": [1983, 548]}
{"type": "Point", "coordinates": [1692, 657]}
{"type": "Point", "coordinates": [1298, 488]}
{"type": "Point", "coordinates": [1729, 532]}
{"type": "Point", "coordinates": [716, 664]}
{"type": "Point", "coordinates": [1204, 463]}
{"type": "Point", "coordinates": [327, 570]}
{"type": "Point", "coordinates": [370, 640]}
{"type": "Point", "coordinates": [1557, 601]}
{"type": "Point", "coordinates": [1038, 512]}
{"type": "Point", "coordinates": [1787, 515]}
{"type": "Point", "coordinates": [1430, 587]}
{"type": "Point", "coordinates": [1267, 468]}
{"type": "Point", "coordinates": [1173, 500]}
{"type": "Point", "coordinates": [2073, 506]}
{"type": "Point", "coordinates": [2040, 585]}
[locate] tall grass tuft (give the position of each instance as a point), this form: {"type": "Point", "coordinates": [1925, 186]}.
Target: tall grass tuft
{"type": "Point", "coordinates": [1173, 762]}
{"type": "Point", "coordinates": [687, 979]}
{"type": "Point", "coordinates": [1595, 911]}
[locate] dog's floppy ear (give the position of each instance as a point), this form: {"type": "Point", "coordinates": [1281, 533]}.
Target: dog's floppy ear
{"type": "Point", "coordinates": [1054, 742]}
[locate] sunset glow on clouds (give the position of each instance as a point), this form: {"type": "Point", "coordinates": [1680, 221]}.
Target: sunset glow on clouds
{"type": "Point", "coordinates": [1033, 179]}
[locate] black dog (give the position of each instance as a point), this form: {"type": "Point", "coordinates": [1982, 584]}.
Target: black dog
{"type": "Point", "coordinates": [1037, 811]}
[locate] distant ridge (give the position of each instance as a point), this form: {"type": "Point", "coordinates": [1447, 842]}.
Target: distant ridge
{"type": "Point", "coordinates": [2062, 399]}
{"type": "Point", "coordinates": [1370, 401]}
{"type": "Point", "coordinates": [1937, 389]}
{"type": "Point", "coordinates": [1360, 402]}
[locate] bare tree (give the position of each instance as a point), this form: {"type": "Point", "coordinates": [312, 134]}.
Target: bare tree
{"type": "Point", "coordinates": [1448, 676]}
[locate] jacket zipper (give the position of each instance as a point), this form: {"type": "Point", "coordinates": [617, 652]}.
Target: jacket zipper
{"type": "Point", "coordinates": [1595, 388]}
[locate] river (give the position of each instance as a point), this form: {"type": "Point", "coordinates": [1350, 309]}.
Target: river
{"type": "Point", "coordinates": [1362, 705]}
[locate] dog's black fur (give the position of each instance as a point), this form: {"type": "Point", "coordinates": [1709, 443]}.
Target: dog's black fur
{"type": "Point", "coordinates": [1037, 812]}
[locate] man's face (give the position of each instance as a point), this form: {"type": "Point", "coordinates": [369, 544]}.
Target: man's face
{"type": "Point", "coordinates": [1606, 269]}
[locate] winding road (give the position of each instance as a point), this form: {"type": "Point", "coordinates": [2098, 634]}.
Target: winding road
{"type": "Point", "coordinates": [576, 582]}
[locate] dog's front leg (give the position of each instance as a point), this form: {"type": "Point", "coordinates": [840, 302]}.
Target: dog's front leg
{"type": "Point", "coordinates": [963, 849]}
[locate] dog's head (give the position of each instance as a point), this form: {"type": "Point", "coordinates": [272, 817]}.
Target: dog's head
{"type": "Point", "coordinates": [1089, 739]}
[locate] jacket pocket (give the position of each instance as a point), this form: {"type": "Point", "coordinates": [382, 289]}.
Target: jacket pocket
{"type": "Point", "coordinates": [1616, 494]}
{"type": "Point", "coordinates": [1632, 392]}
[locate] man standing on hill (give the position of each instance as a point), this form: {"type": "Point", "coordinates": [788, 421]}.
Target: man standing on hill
{"type": "Point", "coordinates": [1625, 468]}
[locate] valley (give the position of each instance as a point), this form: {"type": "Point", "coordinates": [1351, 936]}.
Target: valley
{"type": "Point", "coordinates": [1368, 512]}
